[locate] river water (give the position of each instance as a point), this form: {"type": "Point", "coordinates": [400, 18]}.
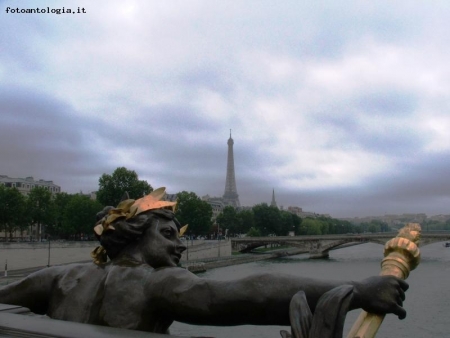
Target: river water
{"type": "Point", "coordinates": [427, 300]}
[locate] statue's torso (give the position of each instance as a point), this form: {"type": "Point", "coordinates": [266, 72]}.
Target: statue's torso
{"type": "Point", "coordinates": [111, 295]}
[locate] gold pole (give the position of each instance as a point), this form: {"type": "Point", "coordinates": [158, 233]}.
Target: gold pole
{"type": "Point", "coordinates": [401, 255]}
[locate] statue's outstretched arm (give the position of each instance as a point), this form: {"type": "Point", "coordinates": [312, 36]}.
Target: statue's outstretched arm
{"type": "Point", "coordinates": [261, 299]}
{"type": "Point", "coordinates": [32, 292]}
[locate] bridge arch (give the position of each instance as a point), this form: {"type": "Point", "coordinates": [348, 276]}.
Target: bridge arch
{"type": "Point", "coordinates": [319, 246]}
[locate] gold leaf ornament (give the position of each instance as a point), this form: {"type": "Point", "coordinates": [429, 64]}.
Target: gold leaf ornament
{"type": "Point", "coordinates": [125, 205]}
{"type": "Point", "coordinates": [152, 201]}
{"type": "Point", "coordinates": [183, 230]}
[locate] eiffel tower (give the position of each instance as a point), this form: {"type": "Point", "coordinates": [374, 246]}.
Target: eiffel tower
{"type": "Point", "coordinates": [230, 197]}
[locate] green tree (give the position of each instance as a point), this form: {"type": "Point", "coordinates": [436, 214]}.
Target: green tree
{"type": "Point", "coordinates": [433, 225]}
{"type": "Point", "coordinates": [13, 214]}
{"type": "Point", "coordinates": [228, 219]}
{"type": "Point", "coordinates": [60, 202]}
{"type": "Point", "coordinates": [312, 226]}
{"type": "Point", "coordinates": [324, 227]}
{"type": "Point", "coordinates": [79, 216]}
{"type": "Point", "coordinates": [41, 209]}
{"type": "Point", "coordinates": [112, 187]}
{"type": "Point", "coordinates": [346, 227]}
{"type": "Point", "coordinates": [357, 229]}
{"type": "Point", "coordinates": [287, 223]}
{"type": "Point", "coordinates": [267, 219]}
{"type": "Point", "coordinates": [447, 225]}
{"type": "Point", "coordinates": [247, 220]}
{"type": "Point", "coordinates": [297, 221]}
{"type": "Point", "coordinates": [363, 227]}
{"type": "Point", "coordinates": [18, 218]}
{"type": "Point", "coordinates": [253, 232]}
{"type": "Point", "coordinates": [3, 208]}
{"type": "Point", "coordinates": [373, 227]}
{"type": "Point", "coordinates": [195, 212]}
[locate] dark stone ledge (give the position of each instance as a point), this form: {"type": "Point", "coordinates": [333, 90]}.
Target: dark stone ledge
{"type": "Point", "coordinates": [17, 321]}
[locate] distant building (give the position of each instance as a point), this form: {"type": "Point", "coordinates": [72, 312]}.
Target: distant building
{"type": "Point", "coordinates": [24, 185]}
{"type": "Point", "coordinates": [216, 204]}
{"type": "Point", "coordinates": [170, 197]}
{"type": "Point", "coordinates": [295, 210]}
{"type": "Point", "coordinates": [302, 214]}
{"type": "Point", "coordinates": [92, 195]}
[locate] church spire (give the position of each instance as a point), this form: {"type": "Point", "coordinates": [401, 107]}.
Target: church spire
{"type": "Point", "coordinates": [273, 203]}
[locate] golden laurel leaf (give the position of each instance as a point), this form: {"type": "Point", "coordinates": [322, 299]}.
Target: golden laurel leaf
{"type": "Point", "coordinates": [183, 230]}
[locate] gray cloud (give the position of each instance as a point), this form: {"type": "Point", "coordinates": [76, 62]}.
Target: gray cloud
{"type": "Point", "coordinates": [340, 107]}
{"type": "Point", "coordinates": [42, 137]}
{"type": "Point", "coordinates": [387, 103]}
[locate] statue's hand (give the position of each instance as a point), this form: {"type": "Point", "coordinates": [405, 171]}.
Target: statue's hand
{"type": "Point", "coordinates": [382, 294]}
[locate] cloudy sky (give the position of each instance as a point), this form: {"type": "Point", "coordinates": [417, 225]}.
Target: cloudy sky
{"type": "Point", "coordinates": [342, 107]}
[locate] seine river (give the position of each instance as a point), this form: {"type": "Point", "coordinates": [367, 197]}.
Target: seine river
{"type": "Point", "coordinates": [427, 300]}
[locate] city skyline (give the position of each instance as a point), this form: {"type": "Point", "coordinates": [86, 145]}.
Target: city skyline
{"type": "Point", "coordinates": [341, 107]}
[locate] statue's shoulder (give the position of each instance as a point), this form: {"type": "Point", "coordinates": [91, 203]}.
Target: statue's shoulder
{"type": "Point", "coordinates": [75, 271]}
{"type": "Point", "coordinates": [170, 275]}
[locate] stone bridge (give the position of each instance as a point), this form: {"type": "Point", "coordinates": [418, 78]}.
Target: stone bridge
{"type": "Point", "coordinates": [319, 246]}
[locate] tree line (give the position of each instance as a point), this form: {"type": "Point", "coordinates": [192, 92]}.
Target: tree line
{"type": "Point", "coordinates": [265, 220]}
{"type": "Point", "coordinates": [72, 216]}
{"type": "Point", "coordinates": [60, 216]}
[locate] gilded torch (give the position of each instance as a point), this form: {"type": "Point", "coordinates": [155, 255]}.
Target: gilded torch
{"type": "Point", "coordinates": [401, 255]}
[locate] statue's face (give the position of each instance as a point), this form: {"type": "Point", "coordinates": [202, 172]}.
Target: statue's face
{"type": "Point", "coordinates": [160, 245]}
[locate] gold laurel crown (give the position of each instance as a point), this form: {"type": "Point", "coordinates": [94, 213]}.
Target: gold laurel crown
{"type": "Point", "coordinates": [130, 208]}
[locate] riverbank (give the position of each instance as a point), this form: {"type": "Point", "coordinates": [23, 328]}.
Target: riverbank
{"type": "Point", "coordinates": [195, 266]}
{"type": "Point", "coordinates": [24, 255]}
{"type": "Point", "coordinates": [220, 262]}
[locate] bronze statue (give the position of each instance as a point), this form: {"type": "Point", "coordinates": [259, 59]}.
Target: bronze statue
{"type": "Point", "coordinates": [141, 287]}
